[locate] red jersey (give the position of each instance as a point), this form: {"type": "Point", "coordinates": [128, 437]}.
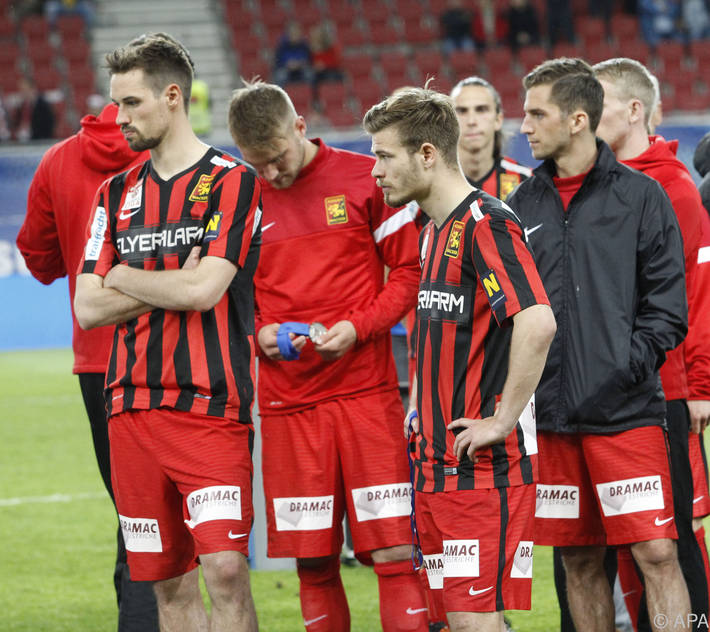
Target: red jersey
{"type": "Point", "coordinates": [686, 371]}
{"type": "Point", "coordinates": [505, 175]}
{"type": "Point", "coordinates": [52, 237]}
{"type": "Point", "coordinates": [188, 360]}
{"type": "Point", "coordinates": [326, 241]}
{"type": "Point", "coordinates": [477, 273]}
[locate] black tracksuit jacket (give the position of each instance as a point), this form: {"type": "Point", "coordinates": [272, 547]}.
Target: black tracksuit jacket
{"type": "Point", "coordinates": [613, 269]}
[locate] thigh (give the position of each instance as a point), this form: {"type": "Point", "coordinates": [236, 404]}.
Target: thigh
{"type": "Point", "coordinates": [208, 459]}
{"type": "Point", "coordinates": [376, 477]}
{"type": "Point", "coordinates": [302, 484]}
{"type": "Point", "coordinates": [631, 476]}
{"type": "Point", "coordinates": [149, 504]}
{"type": "Point", "coordinates": [478, 546]}
{"type": "Point", "coordinates": [566, 511]}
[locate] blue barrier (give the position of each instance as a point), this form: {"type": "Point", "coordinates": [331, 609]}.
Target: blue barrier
{"type": "Point", "coordinates": [35, 316]}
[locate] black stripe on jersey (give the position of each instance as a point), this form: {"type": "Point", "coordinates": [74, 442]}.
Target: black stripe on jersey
{"type": "Point", "coordinates": [526, 470]}
{"type": "Point", "coordinates": [154, 357]}
{"type": "Point", "coordinates": [111, 373]}
{"type": "Point", "coordinates": [439, 434]}
{"type": "Point", "coordinates": [516, 272]}
{"type": "Point", "coordinates": [183, 370]}
{"type": "Point", "coordinates": [129, 342]}
{"type": "Point", "coordinates": [247, 184]}
{"type": "Point", "coordinates": [215, 366]}
{"type": "Point", "coordinates": [502, 537]}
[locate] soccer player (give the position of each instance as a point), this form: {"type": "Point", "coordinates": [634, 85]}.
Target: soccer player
{"type": "Point", "coordinates": [609, 251]}
{"type": "Point", "coordinates": [52, 242]}
{"type": "Point", "coordinates": [480, 114]}
{"type": "Point", "coordinates": [330, 405]}
{"type": "Point", "coordinates": [170, 257]}
{"type": "Point", "coordinates": [483, 329]}
{"type": "Point", "coordinates": [629, 99]}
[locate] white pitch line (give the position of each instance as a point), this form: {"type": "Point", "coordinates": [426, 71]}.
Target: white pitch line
{"type": "Point", "coordinates": [54, 498]}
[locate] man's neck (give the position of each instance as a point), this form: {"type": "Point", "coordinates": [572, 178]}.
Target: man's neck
{"type": "Point", "coordinates": [634, 145]}
{"type": "Point", "coordinates": [579, 157]}
{"type": "Point", "coordinates": [476, 164]}
{"type": "Point", "coordinates": [179, 150]}
{"type": "Point", "coordinates": [446, 193]}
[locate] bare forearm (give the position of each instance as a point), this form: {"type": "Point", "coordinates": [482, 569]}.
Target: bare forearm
{"type": "Point", "coordinates": [194, 289]}
{"type": "Point", "coordinates": [98, 306]}
{"type": "Point", "coordinates": [533, 331]}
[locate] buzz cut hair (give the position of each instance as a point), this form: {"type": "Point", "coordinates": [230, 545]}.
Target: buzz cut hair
{"type": "Point", "coordinates": [419, 115]}
{"type": "Point", "coordinates": [632, 80]}
{"type": "Point", "coordinates": [259, 112]}
{"type": "Point", "coordinates": [574, 86]}
{"type": "Point", "coordinates": [162, 59]}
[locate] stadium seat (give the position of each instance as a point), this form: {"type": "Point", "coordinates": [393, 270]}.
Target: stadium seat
{"type": "Point", "coordinates": [419, 32]}
{"type": "Point", "coordinates": [625, 27]}
{"type": "Point", "coordinates": [341, 116]}
{"type": "Point", "coordinates": [531, 56]}
{"type": "Point", "coordinates": [384, 32]}
{"type": "Point", "coordinates": [41, 55]}
{"type": "Point", "coordinates": [368, 91]}
{"type": "Point", "coordinates": [398, 79]}
{"type": "Point", "coordinates": [634, 48]}
{"type": "Point", "coordinates": [358, 65]}
{"type": "Point", "coordinates": [76, 49]}
{"type": "Point", "coordinates": [409, 10]}
{"type": "Point", "coordinates": [463, 63]}
{"type": "Point", "coordinates": [70, 27]}
{"type": "Point", "coordinates": [302, 95]}
{"type": "Point", "coordinates": [592, 31]}
{"type": "Point", "coordinates": [332, 94]}
{"type": "Point", "coordinates": [35, 27]}
{"type": "Point", "coordinates": [700, 52]}
{"type": "Point", "coordinates": [351, 36]}
{"type": "Point", "coordinates": [430, 63]}
{"type": "Point", "coordinates": [394, 61]}
{"type": "Point", "coordinates": [672, 55]}
{"type": "Point", "coordinates": [47, 78]}
{"type": "Point", "coordinates": [498, 61]}
{"type": "Point", "coordinates": [566, 49]}
{"type": "Point", "coordinates": [600, 51]}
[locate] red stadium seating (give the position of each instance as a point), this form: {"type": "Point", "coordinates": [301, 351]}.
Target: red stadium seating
{"type": "Point", "coordinates": [498, 61]}
{"type": "Point", "coordinates": [463, 63]}
{"type": "Point", "coordinates": [358, 65]}
{"type": "Point", "coordinates": [531, 56]}
{"type": "Point", "coordinates": [430, 63]}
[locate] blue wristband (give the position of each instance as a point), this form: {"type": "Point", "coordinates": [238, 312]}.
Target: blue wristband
{"type": "Point", "coordinates": [283, 340]}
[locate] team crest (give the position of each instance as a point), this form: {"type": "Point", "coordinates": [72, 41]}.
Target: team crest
{"type": "Point", "coordinates": [508, 182]}
{"type": "Point", "coordinates": [202, 188]}
{"type": "Point", "coordinates": [133, 197]}
{"type": "Point", "coordinates": [213, 226]}
{"type": "Point", "coordinates": [335, 210]}
{"type": "Point", "coordinates": [454, 244]}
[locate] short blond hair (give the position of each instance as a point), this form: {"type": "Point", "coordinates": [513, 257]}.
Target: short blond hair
{"type": "Point", "coordinates": [633, 81]}
{"type": "Point", "coordinates": [259, 112]}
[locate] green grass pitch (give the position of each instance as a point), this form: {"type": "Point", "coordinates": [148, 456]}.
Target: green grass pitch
{"type": "Point", "coordinates": [58, 525]}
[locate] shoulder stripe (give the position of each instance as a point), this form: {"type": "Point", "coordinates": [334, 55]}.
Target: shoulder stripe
{"type": "Point", "coordinates": [512, 166]}
{"type": "Point", "coordinates": [392, 224]}
{"type": "Point", "coordinates": [476, 210]}
{"type": "Point", "coordinates": [704, 254]}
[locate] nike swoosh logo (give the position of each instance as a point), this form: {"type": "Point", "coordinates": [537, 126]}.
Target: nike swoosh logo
{"type": "Point", "coordinates": [660, 523]}
{"type": "Point", "coordinates": [530, 231]}
{"type": "Point", "coordinates": [415, 610]}
{"type": "Point", "coordinates": [698, 499]}
{"type": "Point", "coordinates": [310, 621]}
{"type": "Point", "coordinates": [473, 592]}
{"type": "Point", "coordinates": [123, 215]}
{"type": "Point", "coordinates": [263, 228]}
{"type": "Point", "coordinates": [236, 536]}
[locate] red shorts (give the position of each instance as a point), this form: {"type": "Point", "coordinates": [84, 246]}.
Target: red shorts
{"type": "Point", "coordinates": [699, 467]}
{"type": "Point", "coordinates": [604, 489]}
{"type": "Point", "coordinates": [348, 454]}
{"type": "Point", "coordinates": [183, 488]}
{"type": "Point", "coordinates": [477, 546]}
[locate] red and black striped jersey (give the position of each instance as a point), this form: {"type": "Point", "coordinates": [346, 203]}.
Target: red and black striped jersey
{"type": "Point", "coordinates": [505, 175]}
{"type": "Point", "coordinates": [477, 272]}
{"type": "Point", "coordinates": [188, 360]}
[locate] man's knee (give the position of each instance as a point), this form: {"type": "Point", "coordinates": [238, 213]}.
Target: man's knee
{"type": "Point", "coordinates": [655, 554]}
{"type": "Point", "coordinates": [583, 561]}
{"type": "Point", "coordinates": [225, 568]}
{"type": "Point", "coordinates": [315, 571]}
{"type": "Point", "coordinates": [392, 554]}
